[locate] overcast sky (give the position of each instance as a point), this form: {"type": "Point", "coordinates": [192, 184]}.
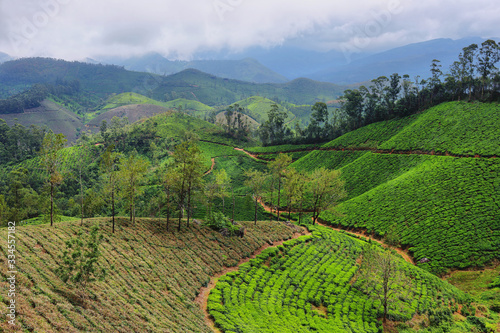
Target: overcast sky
{"type": "Point", "coordinates": [75, 29]}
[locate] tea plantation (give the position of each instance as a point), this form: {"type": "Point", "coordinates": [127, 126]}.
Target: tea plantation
{"type": "Point", "coordinates": [310, 284]}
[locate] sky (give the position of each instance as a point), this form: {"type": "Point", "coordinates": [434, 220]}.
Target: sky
{"type": "Point", "coordinates": [76, 29]}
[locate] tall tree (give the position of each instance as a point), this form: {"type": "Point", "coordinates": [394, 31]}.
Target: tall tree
{"type": "Point", "coordinates": [109, 165]}
{"type": "Point", "coordinates": [487, 58]}
{"type": "Point", "coordinates": [255, 180]}
{"type": "Point", "coordinates": [222, 181]}
{"type": "Point", "coordinates": [131, 175]}
{"type": "Point", "coordinates": [273, 130]}
{"type": "Point", "coordinates": [326, 189]}
{"type": "Point", "coordinates": [352, 105]}
{"type": "Point", "coordinates": [188, 175]}
{"type": "Point", "coordinates": [277, 169]}
{"type": "Point", "coordinates": [51, 161]}
{"type": "Point", "coordinates": [469, 54]}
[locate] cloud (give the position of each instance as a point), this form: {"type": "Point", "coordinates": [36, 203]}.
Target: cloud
{"type": "Point", "coordinates": [76, 29]}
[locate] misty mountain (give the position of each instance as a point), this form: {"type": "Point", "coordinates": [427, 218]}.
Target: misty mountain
{"type": "Point", "coordinates": [412, 59]}
{"type": "Point", "coordinates": [246, 69]}
{"type": "Point", "coordinates": [4, 57]}
{"type": "Point", "coordinates": [334, 66]}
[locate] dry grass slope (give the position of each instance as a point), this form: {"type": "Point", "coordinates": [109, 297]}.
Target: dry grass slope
{"type": "Point", "coordinates": [156, 277]}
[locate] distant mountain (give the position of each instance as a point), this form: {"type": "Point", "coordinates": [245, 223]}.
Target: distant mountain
{"type": "Point", "coordinates": [191, 84]}
{"type": "Point", "coordinates": [246, 70]}
{"type": "Point", "coordinates": [333, 66]}
{"type": "Point", "coordinates": [412, 59]}
{"type": "Point", "coordinates": [289, 61]}
{"type": "Point", "coordinates": [4, 57]}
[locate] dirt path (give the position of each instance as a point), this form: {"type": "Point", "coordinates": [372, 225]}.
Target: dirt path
{"type": "Point", "coordinates": [256, 156]}
{"type": "Point", "coordinates": [363, 234]}
{"type": "Point", "coordinates": [406, 256]}
{"type": "Point", "coordinates": [212, 167]}
{"type": "Point", "coordinates": [202, 297]}
{"type": "Point", "coordinates": [373, 150]}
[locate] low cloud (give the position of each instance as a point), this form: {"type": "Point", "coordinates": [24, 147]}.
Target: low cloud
{"type": "Point", "coordinates": [74, 29]}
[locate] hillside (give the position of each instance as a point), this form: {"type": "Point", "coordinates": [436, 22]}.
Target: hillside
{"type": "Point", "coordinates": [153, 277]}
{"type": "Point", "coordinates": [443, 207]}
{"type": "Point", "coordinates": [49, 114]}
{"type": "Point", "coordinates": [190, 84]}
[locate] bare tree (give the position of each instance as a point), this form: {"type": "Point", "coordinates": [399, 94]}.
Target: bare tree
{"type": "Point", "coordinates": [379, 276]}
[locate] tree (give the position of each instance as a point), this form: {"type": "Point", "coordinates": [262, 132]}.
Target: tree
{"type": "Point", "coordinates": [326, 189]}
{"type": "Point", "coordinates": [487, 58]}
{"type": "Point", "coordinates": [51, 162]}
{"type": "Point", "coordinates": [352, 105]}
{"type": "Point", "coordinates": [380, 275]}
{"type": "Point", "coordinates": [318, 124]}
{"type": "Point", "coordinates": [277, 169]}
{"type": "Point", "coordinates": [222, 181]}
{"type": "Point", "coordinates": [291, 183]}
{"type": "Point", "coordinates": [469, 54]}
{"type": "Point", "coordinates": [273, 130]}
{"type": "Point", "coordinates": [80, 260]}
{"type": "Point", "coordinates": [131, 174]}
{"type": "Point", "coordinates": [256, 181]}
{"type": "Point", "coordinates": [187, 175]}
{"type": "Point", "coordinates": [109, 163]}
{"type": "Point", "coordinates": [3, 208]}
{"type": "Point", "coordinates": [301, 190]}
{"type": "Point", "coordinates": [85, 159]}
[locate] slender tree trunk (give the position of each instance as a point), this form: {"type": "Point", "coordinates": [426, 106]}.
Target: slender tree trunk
{"type": "Point", "coordinates": [188, 207]}
{"type": "Point", "coordinates": [234, 202]}
{"type": "Point", "coordinates": [113, 207]}
{"type": "Point", "coordinates": [180, 217]}
{"type": "Point", "coordinates": [81, 195]}
{"type": "Point", "coordinates": [51, 204]}
{"type": "Point", "coordinates": [256, 202]}
{"type": "Point", "coordinates": [279, 196]}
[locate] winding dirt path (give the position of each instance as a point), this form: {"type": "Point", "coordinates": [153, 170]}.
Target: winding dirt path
{"type": "Point", "coordinates": [211, 168]}
{"type": "Point", "coordinates": [406, 256]}
{"type": "Point", "coordinates": [202, 297]}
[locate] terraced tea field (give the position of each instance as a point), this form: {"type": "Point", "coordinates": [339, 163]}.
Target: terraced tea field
{"type": "Point", "coordinates": [153, 276]}
{"type": "Point", "coordinates": [310, 284]}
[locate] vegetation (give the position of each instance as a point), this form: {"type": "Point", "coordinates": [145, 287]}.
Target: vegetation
{"type": "Point", "coordinates": [306, 284]}
{"type": "Point", "coordinates": [79, 265]}
{"type": "Point", "coordinates": [153, 276]}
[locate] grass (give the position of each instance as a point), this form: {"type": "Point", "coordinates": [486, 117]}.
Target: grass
{"type": "Point", "coordinates": [153, 275]}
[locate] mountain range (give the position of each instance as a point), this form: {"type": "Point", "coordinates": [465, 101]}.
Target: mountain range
{"type": "Point", "coordinates": [284, 63]}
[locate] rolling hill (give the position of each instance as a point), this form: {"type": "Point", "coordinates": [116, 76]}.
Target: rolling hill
{"type": "Point", "coordinates": [435, 189]}
{"type": "Point", "coordinates": [49, 114]}
{"type": "Point", "coordinates": [189, 84]}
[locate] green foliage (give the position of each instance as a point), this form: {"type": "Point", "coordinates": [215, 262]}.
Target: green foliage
{"type": "Point", "coordinates": [81, 258]}
{"type": "Point", "coordinates": [371, 136]}
{"type": "Point", "coordinates": [219, 222]}
{"type": "Point", "coordinates": [444, 208]}
{"type": "Point", "coordinates": [307, 284]}
{"type": "Point", "coordinates": [456, 127]}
